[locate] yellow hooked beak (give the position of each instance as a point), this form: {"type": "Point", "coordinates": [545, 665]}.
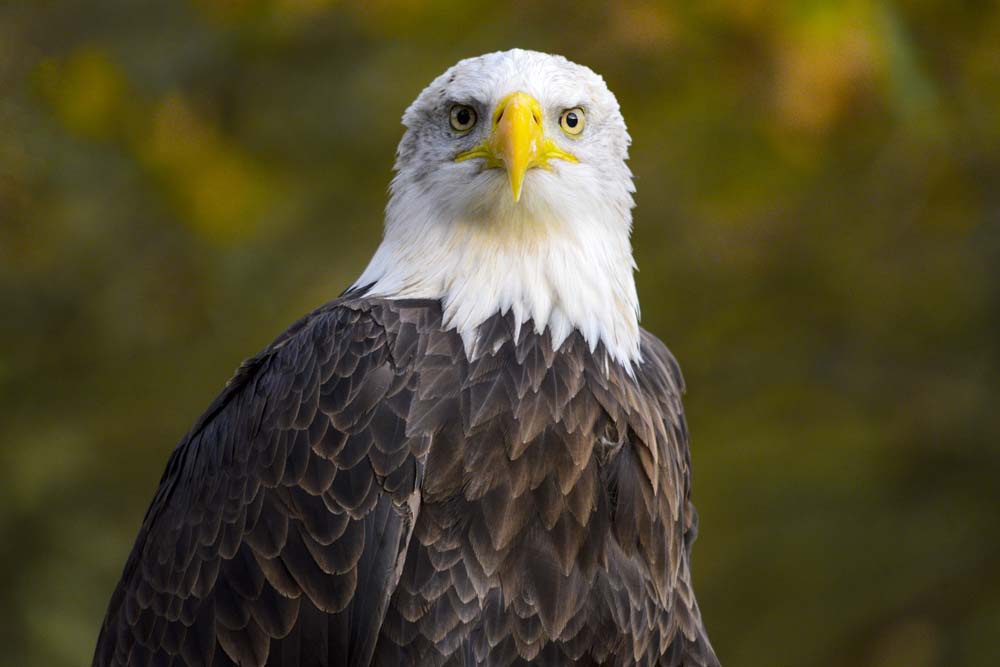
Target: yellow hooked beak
{"type": "Point", "coordinates": [517, 141]}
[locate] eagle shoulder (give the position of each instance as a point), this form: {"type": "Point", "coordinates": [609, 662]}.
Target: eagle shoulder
{"type": "Point", "coordinates": [282, 517]}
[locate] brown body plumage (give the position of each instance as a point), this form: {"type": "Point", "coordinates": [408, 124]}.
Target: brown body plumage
{"type": "Point", "coordinates": [367, 491]}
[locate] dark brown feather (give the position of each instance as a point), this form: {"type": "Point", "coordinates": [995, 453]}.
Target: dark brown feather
{"type": "Point", "coordinates": [364, 492]}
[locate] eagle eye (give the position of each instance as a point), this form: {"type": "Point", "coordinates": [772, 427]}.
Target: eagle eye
{"type": "Point", "coordinates": [572, 121]}
{"type": "Point", "coordinates": [462, 117]}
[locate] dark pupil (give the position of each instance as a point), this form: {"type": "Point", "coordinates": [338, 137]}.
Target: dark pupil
{"type": "Point", "coordinates": [571, 119]}
{"type": "Point", "coordinates": [463, 116]}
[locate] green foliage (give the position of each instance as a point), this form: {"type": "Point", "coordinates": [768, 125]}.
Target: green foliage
{"type": "Point", "coordinates": [818, 236]}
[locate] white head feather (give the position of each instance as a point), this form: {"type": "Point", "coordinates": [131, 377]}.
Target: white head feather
{"type": "Point", "coordinates": [560, 257]}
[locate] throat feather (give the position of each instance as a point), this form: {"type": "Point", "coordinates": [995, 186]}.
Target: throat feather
{"type": "Point", "coordinates": [559, 261]}
{"type": "Point", "coordinates": [557, 282]}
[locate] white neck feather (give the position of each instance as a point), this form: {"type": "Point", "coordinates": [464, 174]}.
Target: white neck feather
{"type": "Point", "coordinates": [559, 273]}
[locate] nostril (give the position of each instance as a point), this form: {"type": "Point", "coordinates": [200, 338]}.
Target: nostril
{"type": "Point", "coordinates": [538, 118]}
{"type": "Point", "coordinates": [499, 116]}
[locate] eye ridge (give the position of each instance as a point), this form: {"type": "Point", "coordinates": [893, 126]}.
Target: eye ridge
{"type": "Point", "coordinates": [462, 117]}
{"type": "Point", "coordinates": [573, 120]}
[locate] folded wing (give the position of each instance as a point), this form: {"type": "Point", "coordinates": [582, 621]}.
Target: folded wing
{"type": "Point", "coordinates": [279, 527]}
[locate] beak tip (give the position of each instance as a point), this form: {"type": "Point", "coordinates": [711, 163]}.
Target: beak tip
{"type": "Point", "coordinates": [516, 187]}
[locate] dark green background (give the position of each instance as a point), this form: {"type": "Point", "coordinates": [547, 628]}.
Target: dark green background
{"type": "Point", "coordinates": [817, 232]}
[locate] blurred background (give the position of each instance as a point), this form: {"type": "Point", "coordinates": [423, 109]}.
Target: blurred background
{"type": "Point", "coordinates": [817, 231]}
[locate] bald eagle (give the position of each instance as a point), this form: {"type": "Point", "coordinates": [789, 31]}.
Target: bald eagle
{"type": "Point", "coordinates": [474, 456]}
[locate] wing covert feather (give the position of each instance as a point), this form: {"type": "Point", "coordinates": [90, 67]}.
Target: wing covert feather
{"type": "Point", "coordinates": [272, 529]}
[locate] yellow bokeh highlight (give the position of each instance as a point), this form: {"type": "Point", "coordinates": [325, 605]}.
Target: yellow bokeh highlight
{"type": "Point", "coordinates": [823, 60]}
{"type": "Point", "coordinates": [219, 190]}
{"type": "Point", "coordinates": [214, 187]}
{"type": "Point", "coordinates": [643, 25]}
{"type": "Point", "coordinates": [85, 90]}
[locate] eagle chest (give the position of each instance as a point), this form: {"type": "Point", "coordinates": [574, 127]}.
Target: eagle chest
{"type": "Point", "coordinates": [513, 547]}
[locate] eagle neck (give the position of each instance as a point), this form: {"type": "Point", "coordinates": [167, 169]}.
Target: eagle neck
{"type": "Point", "coordinates": [552, 274]}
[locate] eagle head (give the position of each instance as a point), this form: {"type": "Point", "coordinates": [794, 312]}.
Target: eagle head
{"type": "Point", "coordinates": [512, 194]}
